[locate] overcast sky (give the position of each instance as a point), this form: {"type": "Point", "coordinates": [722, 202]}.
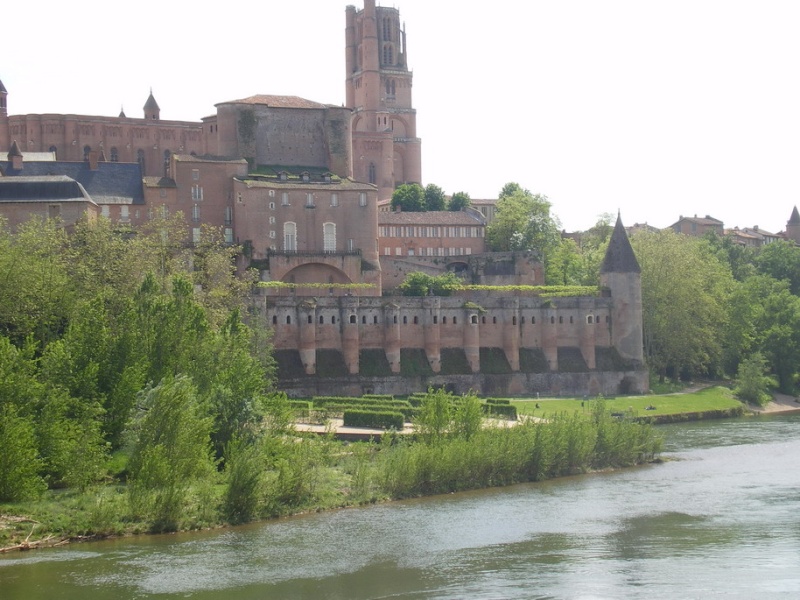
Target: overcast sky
{"type": "Point", "coordinates": [654, 108]}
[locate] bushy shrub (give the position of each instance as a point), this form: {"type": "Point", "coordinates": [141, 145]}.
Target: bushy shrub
{"type": "Point", "coordinates": [376, 419]}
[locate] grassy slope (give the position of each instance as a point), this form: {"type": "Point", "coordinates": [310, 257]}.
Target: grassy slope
{"type": "Point", "coordinates": [712, 398]}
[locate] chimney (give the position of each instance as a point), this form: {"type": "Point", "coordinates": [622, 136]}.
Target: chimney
{"type": "Point", "coordinates": [94, 157]}
{"type": "Point", "coordinates": [15, 156]}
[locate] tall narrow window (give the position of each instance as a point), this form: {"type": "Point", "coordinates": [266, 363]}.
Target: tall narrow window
{"type": "Point", "coordinates": [362, 199]}
{"type": "Point", "coordinates": [229, 215]}
{"type": "Point", "coordinates": [140, 159]}
{"type": "Point", "coordinates": [310, 200]}
{"type": "Point", "coordinates": [290, 236]}
{"type": "Point", "coordinates": [166, 162]}
{"type": "Point", "coordinates": [329, 237]}
{"type": "Point", "coordinates": [284, 198]}
{"type": "Point", "coordinates": [372, 175]}
{"type": "Point", "coordinates": [86, 150]}
{"type": "Point", "coordinates": [196, 213]}
{"type": "Point", "coordinates": [334, 199]}
{"type": "Point", "coordinates": [114, 154]}
{"type": "Point", "coordinates": [197, 192]}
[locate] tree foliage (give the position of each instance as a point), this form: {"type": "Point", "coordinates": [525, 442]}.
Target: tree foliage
{"type": "Point", "coordinates": [434, 197]}
{"type": "Point", "coordinates": [409, 197]}
{"type": "Point", "coordinates": [522, 222]}
{"type": "Point", "coordinates": [459, 201]}
{"type": "Point", "coordinates": [684, 300]}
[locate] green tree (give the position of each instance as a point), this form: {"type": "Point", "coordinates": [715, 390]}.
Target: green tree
{"type": "Point", "coordinates": [459, 201]}
{"type": "Point", "coordinates": [418, 283]}
{"type": "Point", "coordinates": [434, 419]}
{"type": "Point", "coordinates": [19, 460]}
{"type": "Point", "coordinates": [781, 260]}
{"type": "Point", "coordinates": [434, 197]}
{"type": "Point", "coordinates": [753, 381]}
{"type": "Point", "coordinates": [171, 450]}
{"type": "Point", "coordinates": [565, 265]}
{"type": "Point", "coordinates": [523, 222]}
{"type": "Point", "coordinates": [409, 197]}
{"type": "Point", "coordinates": [684, 301]}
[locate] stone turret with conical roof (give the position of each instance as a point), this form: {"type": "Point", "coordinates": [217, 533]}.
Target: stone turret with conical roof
{"type": "Point", "coordinates": [793, 227]}
{"type": "Point", "coordinates": [620, 274]}
{"type": "Point", "coordinates": [151, 110]}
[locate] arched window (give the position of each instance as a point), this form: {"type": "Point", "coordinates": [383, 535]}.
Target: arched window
{"type": "Point", "coordinates": [329, 237]}
{"type": "Point", "coordinates": [395, 319]}
{"type": "Point", "coordinates": [274, 319]}
{"type": "Point", "coordinates": [589, 319]}
{"type": "Point", "coordinates": [474, 319]}
{"type": "Point", "coordinates": [373, 177]}
{"type": "Point", "coordinates": [388, 54]}
{"type": "Point", "coordinates": [114, 154]}
{"type": "Point", "coordinates": [513, 320]}
{"type": "Point", "coordinates": [444, 320]}
{"type": "Point", "coordinates": [288, 320]}
{"type": "Point", "coordinates": [363, 319]}
{"type": "Point", "coordinates": [290, 236]}
{"type": "Point", "coordinates": [494, 320]}
{"type": "Point", "coordinates": [321, 319]}
{"type": "Point", "coordinates": [455, 321]}
{"type": "Point", "coordinates": [54, 150]}
{"type": "Point", "coordinates": [86, 150]}
{"type": "Point", "coordinates": [416, 320]}
{"type": "Point", "coordinates": [333, 320]}
{"type": "Point", "coordinates": [552, 320]}
{"type": "Point", "coordinates": [352, 319]}
{"type": "Point", "coordinates": [310, 320]}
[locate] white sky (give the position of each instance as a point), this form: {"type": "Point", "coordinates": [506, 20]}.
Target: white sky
{"type": "Point", "coordinates": [655, 108]}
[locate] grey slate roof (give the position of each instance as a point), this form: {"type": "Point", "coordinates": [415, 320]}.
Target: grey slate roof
{"type": "Point", "coordinates": [42, 189]}
{"type": "Point", "coordinates": [619, 256]}
{"type": "Point", "coordinates": [3, 88]}
{"type": "Point", "coordinates": [111, 183]}
{"type": "Point", "coordinates": [795, 218]}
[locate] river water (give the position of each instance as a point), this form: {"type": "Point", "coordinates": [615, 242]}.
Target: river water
{"type": "Point", "coordinates": [719, 519]}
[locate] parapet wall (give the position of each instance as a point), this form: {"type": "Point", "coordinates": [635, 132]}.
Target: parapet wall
{"type": "Point", "coordinates": [358, 331]}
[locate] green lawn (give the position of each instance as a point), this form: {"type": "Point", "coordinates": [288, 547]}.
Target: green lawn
{"type": "Point", "coordinates": [713, 398]}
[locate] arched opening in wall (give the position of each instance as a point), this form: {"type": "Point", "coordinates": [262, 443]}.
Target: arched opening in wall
{"type": "Point", "coordinates": [375, 320]}
{"type": "Point", "coordinates": [372, 174]}
{"type": "Point", "coordinates": [288, 320]}
{"type": "Point", "coordinates": [321, 320]}
{"type": "Point", "coordinates": [405, 320]}
{"type": "Point", "coordinates": [455, 321]}
{"type": "Point", "coordinates": [352, 319]}
{"type": "Point", "coordinates": [589, 319]}
{"type": "Point", "coordinates": [363, 319]}
{"type": "Point", "coordinates": [114, 154]}
{"type": "Point", "coordinates": [359, 124]}
{"type": "Point", "coordinates": [395, 320]}
{"type": "Point", "coordinates": [86, 150]}
{"type": "Point", "coordinates": [474, 319]}
{"type": "Point", "coordinates": [494, 320]}
{"type": "Point", "coordinates": [416, 320]}
{"type": "Point", "coordinates": [54, 150]}
{"type": "Point", "coordinates": [329, 237]}
{"type": "Point", "coordinates": [274, 319]}
{"type": "Point", "coordinates": [483, 320]}
{"type": "Point", "coordinates": [333, 320]}
{"type": "Point", "coordinates": [457, 267]}
{"type": "Point", "coordinates": [513, 320]}
{"type": "Point", "coordinates": [310, 320]}
{"type": "Point", "coordinates": [315, 273]}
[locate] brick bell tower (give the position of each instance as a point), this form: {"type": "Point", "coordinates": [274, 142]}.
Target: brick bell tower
{"type": "Point", "coordinates": [5, 141]}
{"type": "Point", "coordinates": [386, 149]}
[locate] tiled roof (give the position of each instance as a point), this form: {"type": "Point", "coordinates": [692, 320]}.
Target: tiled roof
{"type": "Point", "coordinates": [278, 101]}
{"type": "Point", "coordinates": [795, 218]}
{"type": "Point", "coordinates": [42, 189]}
{"type": "Point", "coordinates": [438, 217]}
{"type": "Point", "coordinates": [207, 158]}
{"type": "Point", "coordinates": [707, 220]}
{"type": "Point", "coordinates": [335, 184]}
{"type": "Point", "coordinates": [111, 183]}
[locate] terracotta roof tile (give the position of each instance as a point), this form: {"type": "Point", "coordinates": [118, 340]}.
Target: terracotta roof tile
{"type": "Point", "coordinates": [438, 217]}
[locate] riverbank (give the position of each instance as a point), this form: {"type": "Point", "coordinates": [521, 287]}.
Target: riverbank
{"type": "Point", "coordinates": [337, 474]}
